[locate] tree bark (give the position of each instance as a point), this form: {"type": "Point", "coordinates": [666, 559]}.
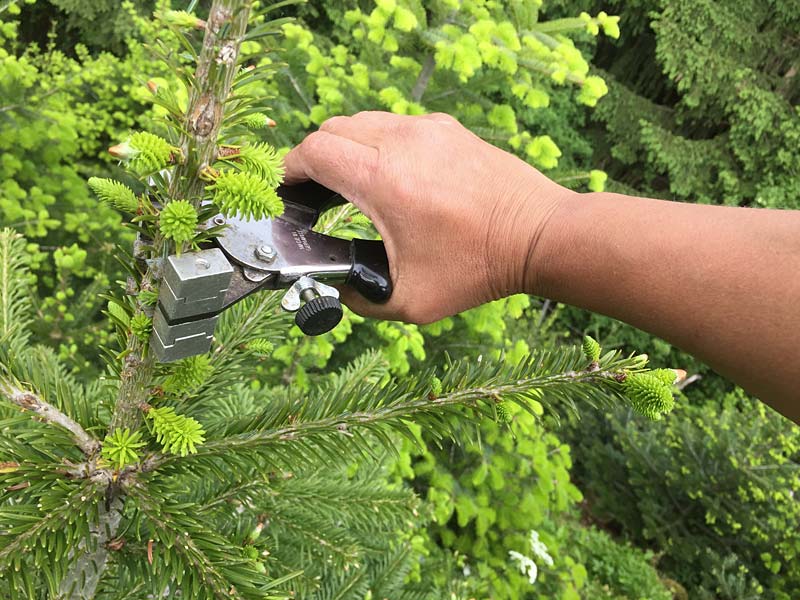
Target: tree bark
{"type": "Point", "coordinates": [92, 555]}
{"type": "Point", "coordinates": [216, 68]}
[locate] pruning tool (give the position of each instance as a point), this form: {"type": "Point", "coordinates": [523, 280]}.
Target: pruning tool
{"type": "Point", "coordinates": [268, 254]}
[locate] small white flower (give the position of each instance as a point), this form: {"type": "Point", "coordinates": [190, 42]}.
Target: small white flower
{"type": "Point", "coordinates": [526, 565]}
{"type": "Point", "coordinates": [539, 548]}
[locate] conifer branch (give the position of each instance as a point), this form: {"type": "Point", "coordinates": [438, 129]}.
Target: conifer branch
{"type": "Point", "coordinates": [183, 543]}
{"type": "Point", "coordinates": [28, 533]}
{"type": "Point", "coordinates": [399, 405]}
{"type": "Point", "coordinates": [200, 557]}
{"type": "Point", "coordinates": [428, 67]}
{"type": "Point", "coordinates": [50, 414]}
{"type": "Point", "coordinates": [233, 493]}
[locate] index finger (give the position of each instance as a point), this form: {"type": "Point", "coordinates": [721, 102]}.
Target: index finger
{"type": "Point", "coordinates": [338, 163]}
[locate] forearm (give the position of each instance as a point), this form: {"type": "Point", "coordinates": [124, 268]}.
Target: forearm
{"type": "Point", "coordinates": [465, 222]}
{"type": "Point", "coordinates": [721, 283]}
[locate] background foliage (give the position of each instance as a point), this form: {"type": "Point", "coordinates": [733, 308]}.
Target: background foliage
{"type": "Point", "coordinates": [701, 107]}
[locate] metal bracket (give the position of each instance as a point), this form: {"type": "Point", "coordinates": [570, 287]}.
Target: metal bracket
{"type": "Point", "coordinates": [193, 284]}
{"type": "Point", "coordinates": [294, 295]}
{"type": "Point", "coordinates": [174, 342]}
{"type": "Point", "coordinates": [283, 249]}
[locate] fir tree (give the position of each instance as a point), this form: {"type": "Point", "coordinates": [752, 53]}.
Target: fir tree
{"type": "Point", "coordinates": [156, 480]}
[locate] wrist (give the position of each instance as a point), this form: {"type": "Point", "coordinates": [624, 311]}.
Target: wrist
{"type": "Point", "coordinates": [546, 238]}
{"type": "Point", "coordinates": [528, 233]}
{"type": "Point", "coordinates": [549, 244]}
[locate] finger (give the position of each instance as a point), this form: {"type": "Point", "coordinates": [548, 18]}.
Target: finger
{"type": "Point", "coordinates": [361, 306]}
{"type": "Point", "coordinates": [338, 163]}
{"type": "Point", "coordinates": [368, 127]}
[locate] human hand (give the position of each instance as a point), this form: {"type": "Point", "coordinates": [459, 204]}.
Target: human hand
{"type": "Point", "coordinates": [460, 218]}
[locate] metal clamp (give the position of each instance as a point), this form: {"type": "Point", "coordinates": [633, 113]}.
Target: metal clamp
{"type": "Point", "coordinates": [193, 285]}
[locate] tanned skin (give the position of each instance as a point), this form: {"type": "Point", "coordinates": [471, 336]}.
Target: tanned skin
{"type": "Point", "coordinates": [465, 223]}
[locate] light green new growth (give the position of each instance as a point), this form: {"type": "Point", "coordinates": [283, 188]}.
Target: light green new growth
{"type": "Point", "coordinates": [144, 152]}
{"type": "Point", "coordinates": [668, 376]}
{"type": "Point", "coordinates": [188, 375]}
{"type": "Point", "coordinates": [120, 448]}
{"type": "Point", "coordinates": [15, 312]}
{"type": "Point", "coordinates": [152, 152]}
{"type": "Point", "coordinates": [609, 24]}
{"type": "Point", "coordinates": [597, 180]}
{"type": "Point", "coordinates": [70, 258]}
{"type": "Point", "coordinates": [503, 117]}
{"type": "Point", "coordinates": [648, 394]}
{"type": "Point", "coordinates": [114, 193]}
{"type": "Point", "coordinates": [436, 387]}
{"type": "Point", "coordinates": [261, 348]}
{"type": "Point", "coordinates": [245, 195]}
{"type": "Point", "coordinates": [141, 326]}
{"type": "Point", "coordinates": [543, 151]}
{"type": "Point", "coordinates": [405, 20]}
{"type": "Point", "coordinates": [591, 349]}
{"type": "Point", "coordinates": [263, 159]}
{"type": "Point", "coordinates": [176, 433]}
{"type": "Point", "coordinates": [148, 297]}
{"type": "Point", "coordinates": [178, 221]}
{"type": "Point", "coordinates": [118, 313]}
{"type": "Point", "coordinates": [256, 121]}
{"type": "Point", "coordinates": [503, 415]}
{"type": "Point", "coordinates": [592, 90]}
{"type": "Point", "coordinates": [180, 18]}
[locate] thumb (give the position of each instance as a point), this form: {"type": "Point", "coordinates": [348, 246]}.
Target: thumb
{"type": "Point", "coordinates": [340, 164]}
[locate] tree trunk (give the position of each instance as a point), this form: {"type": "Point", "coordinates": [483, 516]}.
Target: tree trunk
{"type": "Point", "coordinates": [216, 69]}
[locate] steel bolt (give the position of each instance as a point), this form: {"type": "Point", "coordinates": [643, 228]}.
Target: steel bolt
{"type": "Point", "coordinates": [218, 220]}
{"type": "Point", "coordinates": [202, 263]}
{"type": "Point", "coordinates": [266, 253]}
{"type": "Point", "coordinates": [309, 294]}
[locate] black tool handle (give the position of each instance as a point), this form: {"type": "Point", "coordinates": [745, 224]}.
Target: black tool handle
{"type": "Point", "coordinates": [369, 270]}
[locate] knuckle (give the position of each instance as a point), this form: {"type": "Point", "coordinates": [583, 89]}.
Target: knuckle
{"type": "Point", "coordinates": [366, 114]}
{"type": "Point", "coordinates": [419, 128]}
{"type": "Point", "coordinates": [312, 141]}
{"type": "Point", "coordinates": [443, 118]}
{"type": "Point", "coordinates": [332, 123]}
{"type": "Point", "coordinates": [432, 132]}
